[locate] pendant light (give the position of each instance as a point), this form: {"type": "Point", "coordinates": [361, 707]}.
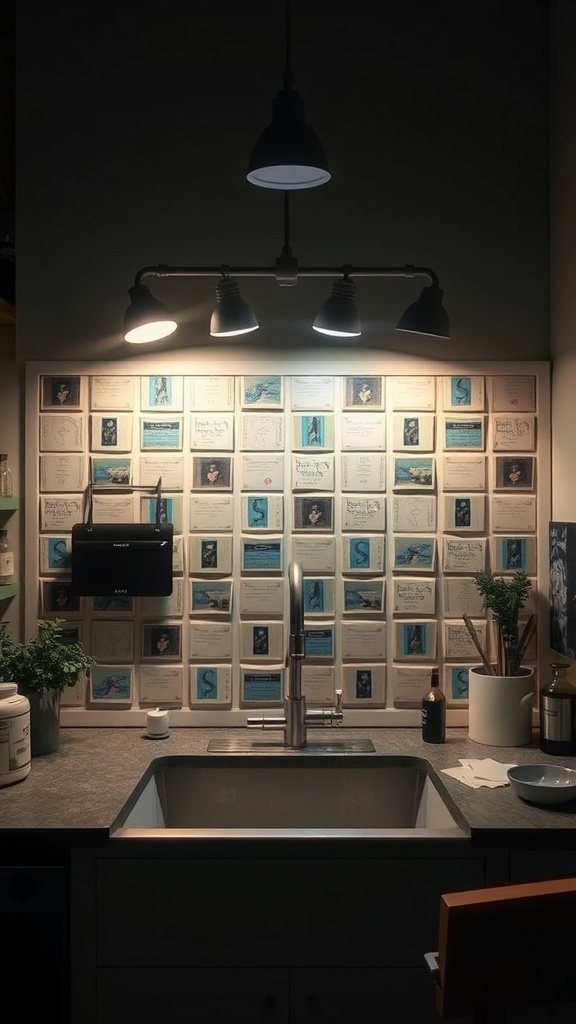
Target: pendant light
{"type": "Point", "coordinates": [339, 315]}
{"type": "Point", "coordinates": [146, 319]}
{"type": "Point", "coordinates": [232, 315]}
{"type": "Point", "coordinates": [427, 315]}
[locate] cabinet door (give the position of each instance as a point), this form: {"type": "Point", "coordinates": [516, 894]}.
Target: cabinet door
{"type": "Point", "coordinates": [189, 996]}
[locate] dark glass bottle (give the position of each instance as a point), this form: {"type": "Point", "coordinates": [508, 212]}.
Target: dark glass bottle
{"type": "Point", "coordinates": [434, 711]}
{"type": "Point", "coordinates": [558, 713]}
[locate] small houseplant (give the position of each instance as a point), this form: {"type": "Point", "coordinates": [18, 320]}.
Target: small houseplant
{"type": "Point", "coordinates": [42, 667]}
{"type": "Point", "coordinates": [505, 597]}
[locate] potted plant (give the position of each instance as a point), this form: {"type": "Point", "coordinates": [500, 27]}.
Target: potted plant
{"type": "Point", "coordinates": [42, 667]}
{"type": "Point", "coordinates": [500, 693]}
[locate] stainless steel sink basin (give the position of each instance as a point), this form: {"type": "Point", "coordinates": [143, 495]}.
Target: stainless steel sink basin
{"type": "Point", "coordinates": [295, 795]}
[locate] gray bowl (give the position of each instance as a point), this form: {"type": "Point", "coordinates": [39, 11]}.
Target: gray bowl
{"type": "Point", "coordinates": [543, 783]}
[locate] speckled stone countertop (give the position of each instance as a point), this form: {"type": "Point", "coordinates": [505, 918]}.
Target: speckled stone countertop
{"type": "Point", "coordinates": [76, 794]}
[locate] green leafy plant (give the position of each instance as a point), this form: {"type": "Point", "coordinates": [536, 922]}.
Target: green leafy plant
{"type": "Point", "coordinates": [505, 597]}
{"type": "Point", "coordinates": [44, 663]}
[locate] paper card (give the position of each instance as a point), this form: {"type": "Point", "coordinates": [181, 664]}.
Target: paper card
{"type": "Point", "coordinates": [416, 392]}
{"type": "Point", "coordinates": [112, 641]}
{"type": "Point", "coordinates": [212, 432]}
{"type": "Point", "coordinates": [263, 512]}
{"type": "Point", "coordinates": [170, 510]}
{"type": "Point", "coordinates": [455, 683]}
{"type": "Point", "coordinates": [319, 641]}
{"type": "Point", "coordinates": [318, 596]}
{"type": "Point", "coordinates": [410, 684]}
{"type": "Point", "coordinates": [112, 394]}
{"type": "Point", "coordinates": [464, 433]}
{"type": "Point", "coordinates": [457, 640]}
{"type": "Point", "coordinates": [363, 392]}
{"type": "Point", "coordinates": [171, 606]}
{"type": "Point", "coordinates": [168, 468]}
{"type": "Point", "coordinates": [364, 686]}
{"type": "Point", "coordinates": [464, 513]}
{"type": "Point", "coordinates": [61, 433]}
{"type": "Point", "coordinates": [113, 508]}
{"type": "Point", "coordinates": [363, 471]}
{"type": "Point", "coordinates": [414, 553]}
{"type": "Point", "coordinates": [62, 513]}
{"type": "Point", "coordinates": [261, 597]}
{"type": "Point", "coordinates": [261, 641]}
{"type": "Point", "coordinates": [178, 554]}
{"type": "Point", "coordinates": [511, 514]}
{"type": "Point", "coordinates": [160, 393]}
{"type": "Point", "coordinates": [312, 472]}
{"type": "Point", "coordinates": [210, 597]}
{"type": "Point", "coordinates": [262, 391]}
{"type": "Point", "coordinates": [210, 641]}
{"type": "Point", "coordinates": [161, 684]}
{"type": "Point", "coordinates": [111, 433]}
{"type": "Point", "coordinates": [161, 433]}
{"type": "Point", "coordinates": [414, 641]}
{"type": "Point", "coordinates": [63, 473]}
{"type": "Point", "coordinates": [58, 600]}
{"type": "Point", "coordinates": [55, 555]}
{"type": "Point", "coordinates": [464, 393]}
{"type": "Point", "coordinates": [162, 641]}
{"type": "Point", "coordinates": [363, 553]}
{"type": "Point", "coordinates": [318, 685]}
{"type": "Point", "coordinates": [515, 393]}
{"type": "Point", "coordinates": [464, 472]}
{"type": "Point", "coordinates": [514, 473]}
{"type": "Point", "coordinates": [211, 512]}
{"type": "Point", "coordinates": [210, 555]}
{"type": "Point", "coordinates": [414, 513]}
{"type": "Point", "coordinates": [363, 641]}
{"type": "Point", "coordinates": [114, 605]}
{"type": "Point", "coordinates": [111, 684]}
{"type": "Point", "coordinates": [363, 512]}
{"type": "Point", "coordinates": [313, 431]}
{"type": "Point", "coordinates": [262, 472]}
{"type": "Point", "coordinates": [363, 597]}
{"type": "Point", "coordinates": [210, 686]}
{"type": "Point", "coordinates": [509, 554]}
{"type": "Point", "coordinates": [61, 392]}
{"type": "Point", "coordinates": [212, 473]}
{"type": "Point", "coordinates": [315, 554]}
{"type": "Point", "coordinates": [261, 555]}
{"type": "Point", "coordinates": [111, 470]}
{"type": "Point", "coordinates": [514, 433]}
{"type": "Point", "coordinates": [315, 393]}
{"type": "Point", "coordinates": [413, 432]}
{"type": "Point", "coordinates": [262, 432]}
{"type": "Point", "coordinates": [261, 686]}
{"type": "Point", "coordinates": [315, 512]}
{"type": "Point", "coordinates": [212, 393]}
{"type": "Point", "coordinates": [414, 473]}
{"type": "Point", "coordinates": [461, 554]}
{"type": "Point", "coordinates": [461, 596]}
{"type": "Point", "coordinates": [362, 431]}
{"type": "Point", "coordinates": [414, 597]}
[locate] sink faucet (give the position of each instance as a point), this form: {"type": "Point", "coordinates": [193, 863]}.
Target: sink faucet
{"type": "Point", "coordinates": [296, 718]}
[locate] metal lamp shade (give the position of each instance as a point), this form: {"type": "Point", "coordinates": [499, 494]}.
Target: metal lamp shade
{"type": "Point", "coordinates": [147, 319]}
{"type": "Point", "coordinates": [427, 315]}
{"type": "Point", "coordinates": [339, 316]}
{"type": "Point", "coordinates": [232, 315]}
{"type": "Point", "coordinates": [288, 155]}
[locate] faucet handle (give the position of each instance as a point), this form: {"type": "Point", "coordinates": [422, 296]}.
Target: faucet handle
{"type": "Point", "coordinates": [338, 707]}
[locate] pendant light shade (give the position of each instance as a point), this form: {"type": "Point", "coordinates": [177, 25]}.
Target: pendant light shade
{"type": "Point", "coordinates": [147, 319]}
{"type": "Point", "coordinates": [232, 315]}
{"type": "Point", "coordinates": [339, 314]}
{"type": "Point", "coordinates": [427, 315]}
{"type": "Point", "coordinates": [288, 155]}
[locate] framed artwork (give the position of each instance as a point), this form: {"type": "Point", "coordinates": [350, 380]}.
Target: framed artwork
{"type": "Point", "coordinates": [562, 551]}
{"type": "Point", "coordinates": [261, 686]}
{"type": "Point", "coordinates": [162, 641]}
{"type": "Point", "coordinates": [465, 433]}
{"type": "Point", "coordinates": [363, 392]}
{"type": "Point", "coordinates": [415, 641]}
{"type": "Point", "coordinates": [58, 600]}
{"type": "Point", "coordinates": [314, 512]}
{"type": "Point", "coordinates": [161, 434]}
{"type": "Point", "coordinates": [210, 686]}
{"type": "Point", "coordinates": [417, 474]}
{"type": "Point", "coordinates": [514, 472]}
{"type": "Point", "coordinates": [160, 393]}
{"type": "Point", "coordinates": [210, 597]}
{"type": "Point", "coordinates": [364, 686]}
{"type": "Point", "coordinates": [414, 553]}
{"type": "Point", "coordinates": [464, 393]}
{"type": "Point", "coordinates": [61, 392]}
{"type": "Point", "coordinates": [456, 682]}
{"type": "Point", "coordinates": [262, 391]}
{"type": "Point", "coordinates": [363, 597]}
{"type": "Point", "coordinates": [212, 473]}
{"type": "Point", "coordinates": [111, 684]}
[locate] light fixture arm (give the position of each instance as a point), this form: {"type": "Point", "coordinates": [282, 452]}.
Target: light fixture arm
{"type": "Point", "coordinates": [166, 270]}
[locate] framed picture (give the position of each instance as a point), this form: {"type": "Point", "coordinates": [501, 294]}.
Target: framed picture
{"type": "Point", "coordinates": [111, 684]}
{"type": "Point", "coordinates": [262, 391]}
{"type": "Point", "coordinates": [514, 473]}
{"type": "Point", "coordinates": [464, 513]}
{"type": "Point", "coordinates": [261, 555]}
{"type": "Point", "coordinates": [414, 553]}
{"type": "Point", "coordinates": [319, 641]}
{"type": "Point", "coordinates": [112, 605]}
{"type": "Point", "coordinates": [263, 512]}
{"type": "Point", "coordinates": [261, 686]}
{"type": "Point", "coordinates": [112, 641]}
{"type": "Point", "coordinates": [210, 555]}
{"type": "Point", "coordinates": [161, 433]}
{"type": "Point", "coordinates": [111, 433]}
{"type": "Point", "coordinates": [210, 597]}
{"type": "Point", "coordinates": [161, 684]}
{"type": "Point", "coordinates": [464, 393]}
{"type": "Point", "coordinates": [509, 554]}
{"type": "Point", "coordinates": [111, 471]}
{"type": "Point", "coordinates": [161, 392]}
{"type": "Point", "coordinates": [362, 392]}
{"type": "Point", "coordinates": [315, 512]}
{"type": "Point", "coordinates": [210, 686]}
{"type": "Point", "coordinates": [466, 433]}
{"type": "Point", "coordinates": [212, 473]}
{"type": "Point", "coordinates": [413, 432]}
{"type": "Point", "coordinates": [363, 597]}
{"type": "Point", "coordinates": [313, 431]}
{"type": "Point", "coordinates": [170, 510]}
{"type": "Point", "coordinates": [364, 686]}
{"type": "Point", "coordinates": [63, 392]}
{"type": "Point", "coordinates": [318, 595]}
{"type": "Point", "coordinates": [562, 551]}
{"type": "Point", "coordinates": [261, 641]}
{"type": "Point", "coordinates": [456, 682]}
{"type": "Point", "coordinates": [58, 599]}
{"type": "Point", "coordinates": [363, 553]}
{"type": "Point", "coordinates": [162, 641]}
{"type": "Point", "coordinates": [55, 555]}
{"type": "Point", "coordinates": [212, 432]}
{"type": "Point", "coordinates": [414, 473]}
{"type": "Point", "coordinates": [415, 641]}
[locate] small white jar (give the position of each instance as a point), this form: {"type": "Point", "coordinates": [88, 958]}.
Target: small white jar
{"type": "Point", "coordinates": [14, 735]}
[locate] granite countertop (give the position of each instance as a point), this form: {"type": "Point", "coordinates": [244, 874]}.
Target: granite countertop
{"type": "Point", "coordinates": [75, 794]}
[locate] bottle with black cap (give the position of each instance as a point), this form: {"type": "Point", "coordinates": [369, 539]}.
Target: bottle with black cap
{"type": "Point", "coordinates": [434, 711]}
{"type": "Point", "coordinates": [558, 713]}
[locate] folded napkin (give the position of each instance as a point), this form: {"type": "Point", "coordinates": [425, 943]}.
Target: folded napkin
{"type": "Point", "coordinates": [480, 772]}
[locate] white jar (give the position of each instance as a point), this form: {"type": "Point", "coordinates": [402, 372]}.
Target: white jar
{"type": "Point", "coordinates": [14, 734]}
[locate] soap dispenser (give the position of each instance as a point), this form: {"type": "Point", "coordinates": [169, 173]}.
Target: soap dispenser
{"type": "Point", "coordinates": [558, 713]}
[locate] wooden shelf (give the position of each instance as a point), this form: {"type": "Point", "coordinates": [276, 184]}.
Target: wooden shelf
{"type": "Point", "coordinates": [8, 590]}
{"type": "Point", "coordinates": [9, 504]}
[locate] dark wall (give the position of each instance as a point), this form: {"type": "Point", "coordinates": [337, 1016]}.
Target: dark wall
{"type": "Point", "coordinates": [136, 119]}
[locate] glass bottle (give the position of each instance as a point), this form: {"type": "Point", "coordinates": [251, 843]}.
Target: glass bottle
{"type": "Point", "coordinates": [6, 560]}
{"type": "Point", "coordinates": [434, 711]}
{"type": "Point", "coordinates": [6, 487]}
{"type": "Point", "coordinates": [558, 713]}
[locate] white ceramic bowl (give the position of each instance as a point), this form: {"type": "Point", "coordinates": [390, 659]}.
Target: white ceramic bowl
{"type": "Point", "coordinates": [543, 783]}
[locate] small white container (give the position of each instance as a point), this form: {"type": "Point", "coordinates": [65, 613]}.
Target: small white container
{"type": "Point", "coordinates": [157, 724]}
{"type": "Point", "coordinates": [14, 735]}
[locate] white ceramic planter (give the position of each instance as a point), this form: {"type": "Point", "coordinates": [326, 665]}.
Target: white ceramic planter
{"type": "Point", "coordinates": [500, 708]}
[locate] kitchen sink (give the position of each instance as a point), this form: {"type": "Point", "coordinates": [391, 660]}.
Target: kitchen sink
{"type": "Point", "coordinates": [294, 795]}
